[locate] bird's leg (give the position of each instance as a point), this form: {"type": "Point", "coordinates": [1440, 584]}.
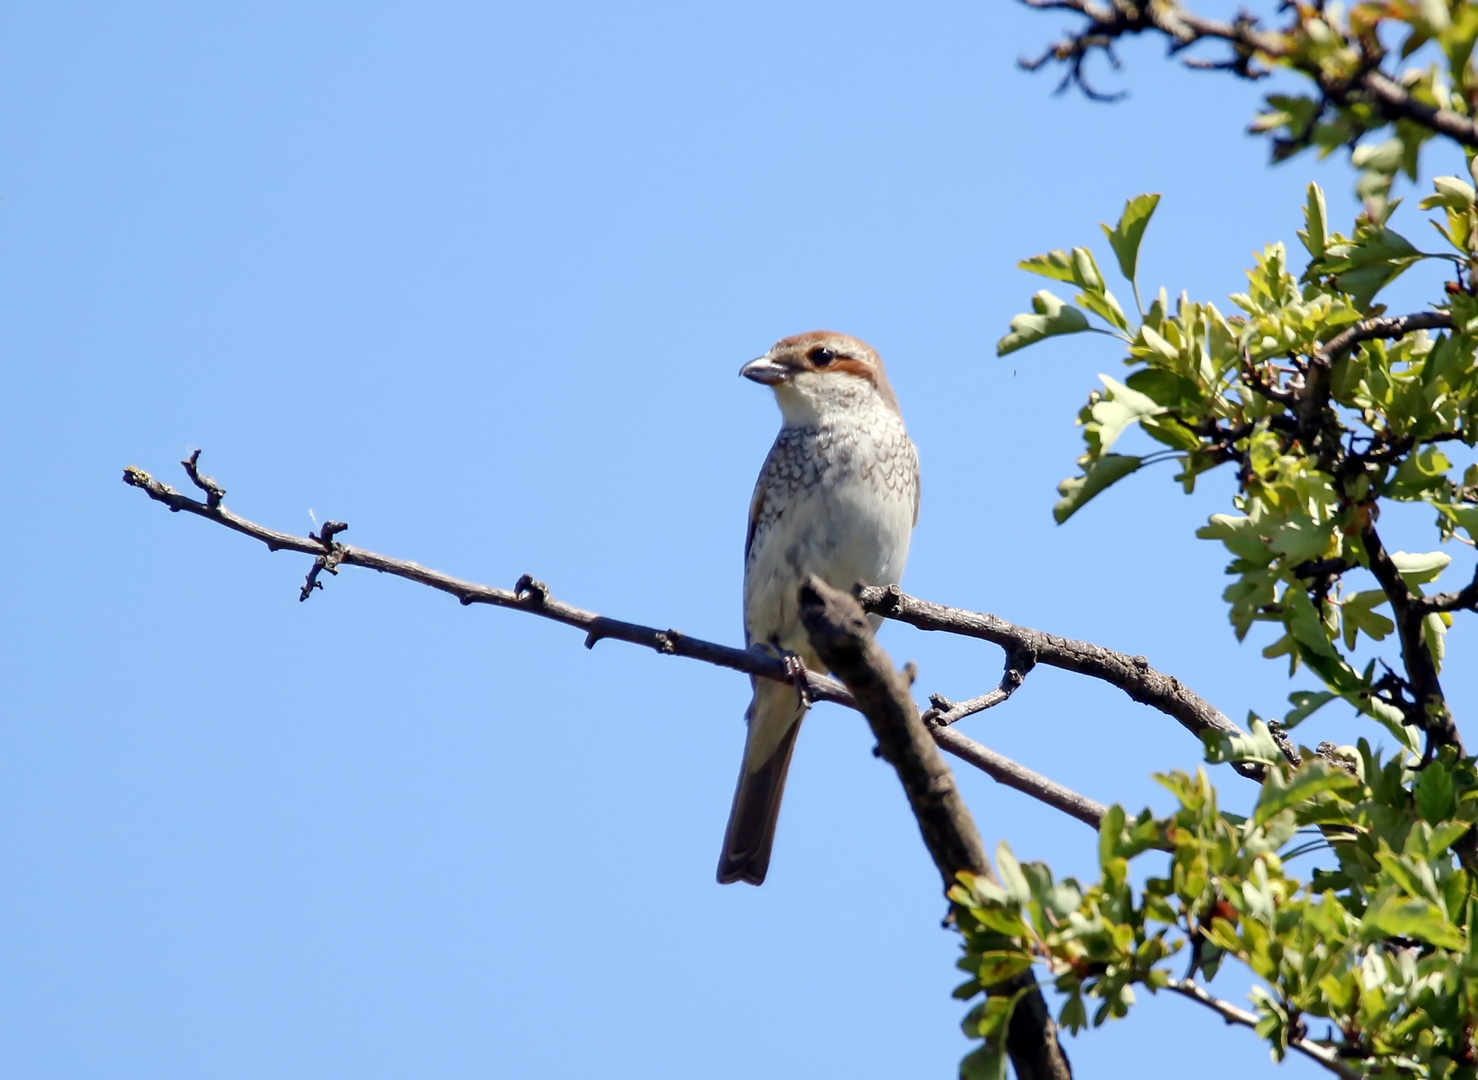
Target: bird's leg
{"type": "Point", "coordinates": [795, 670]}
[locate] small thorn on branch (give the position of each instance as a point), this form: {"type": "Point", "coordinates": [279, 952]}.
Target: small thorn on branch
{"type": "Point", "coordinates": [1285, 744]}
{"type": "Point", "coordinates": [535, 594]}
{"type": "Point", "coordinates": [214, 493]}
{"type": "Point", "coordinates": [329, 560]}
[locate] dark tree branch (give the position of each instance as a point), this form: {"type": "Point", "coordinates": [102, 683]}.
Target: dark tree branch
{"type": "Point", "coordinates": [1131, 674]}
{"type": "Point", "coordinates": [1317, 428]}
{"type": "Point", "coordinates": [533, 597]}
{"type": "Point", "coordinates": [843, 638]}
{"type": "Point", "coordinates": [1429, 710]}
{"type": "Point", "coordinates": [1005, 771]}
{"type": "Point", "coordinates": [1114, 19]}
{"type": "Point", "coordinates": [214, 493]}
{"type": "Point", "coordinates": [1465, 599]}
{"type": "Point", "coordinates": [1370, 329]}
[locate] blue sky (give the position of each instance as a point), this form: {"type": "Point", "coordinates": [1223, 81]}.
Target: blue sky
{"type": "Point", "coordinates": [477, 279]}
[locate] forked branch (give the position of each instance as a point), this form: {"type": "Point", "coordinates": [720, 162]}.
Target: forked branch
{"type": "Point", "coordinates": [842, 637]}
{"type": "Point", "coordinates": [1131, 674]}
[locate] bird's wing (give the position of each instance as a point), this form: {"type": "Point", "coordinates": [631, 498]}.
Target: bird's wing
{"type": "Point", "coordinates": [916, 488]}
{"type": "Point", "coordinates": [756, 502]}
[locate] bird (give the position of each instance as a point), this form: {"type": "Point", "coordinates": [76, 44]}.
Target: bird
{"type": "Point", "coordinates": [838, 497]}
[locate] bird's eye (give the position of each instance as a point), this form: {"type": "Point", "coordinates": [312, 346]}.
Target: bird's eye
{"type": "Point", "coordinates": [820, 356]}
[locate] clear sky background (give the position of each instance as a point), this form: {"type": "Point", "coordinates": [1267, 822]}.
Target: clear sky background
{"type": "Point", "coordinates": [477, 278]}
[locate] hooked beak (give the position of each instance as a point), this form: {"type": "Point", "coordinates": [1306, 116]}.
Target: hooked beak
{"type": "Point", "coordinates": [766, 371]}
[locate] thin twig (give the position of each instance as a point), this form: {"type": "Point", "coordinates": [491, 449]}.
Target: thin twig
{"type": "Point", "coordinates": [1007, 772]}
{"type": "Point", "coordinates": [1324, 1055]}
{"type": "Point", "coordinates": [944, 712]}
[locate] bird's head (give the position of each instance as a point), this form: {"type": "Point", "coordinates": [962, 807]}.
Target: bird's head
{"type": "Point", "coordinates": [810, 372]}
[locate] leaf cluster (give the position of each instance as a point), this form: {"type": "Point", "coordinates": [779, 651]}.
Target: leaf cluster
{"type": "Point", "coordinates": [1320, 427]}
{"type": "Point", "coordinates": [1378, 950]}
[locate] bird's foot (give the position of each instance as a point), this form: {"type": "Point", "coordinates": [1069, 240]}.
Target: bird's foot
{"type": "Point", "coordinates": [797, 672]}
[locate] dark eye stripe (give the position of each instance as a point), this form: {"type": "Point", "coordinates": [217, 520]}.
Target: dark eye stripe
{"type": "Point", "coordinates": [821, 356]}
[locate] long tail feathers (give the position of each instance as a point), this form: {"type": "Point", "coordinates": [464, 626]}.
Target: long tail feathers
{"type": "Point", "coordinates": [774, 722]}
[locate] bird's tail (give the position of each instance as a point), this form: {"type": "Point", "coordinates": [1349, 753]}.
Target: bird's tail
{"type": "Point", "coordinates": [774, 721]}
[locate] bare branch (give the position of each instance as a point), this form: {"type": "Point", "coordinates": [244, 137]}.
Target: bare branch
{"type": "Point", "coordinates": [1324, 1055]}
{"type": "Point", "coordinates": [945, 712]}
{"type": "Point", "coordinates": [1429, 711]}
{"type": "Point", "coordinates": [533, 597]}
{"type": "Point", "coordinates": [214, 493]}
{"type": "Point", "coordinates": [1131, 674]}
{"type": "Point", "coordinates": [528, 595]}
{"type": "Point", "coordinates": [843, 638]}
{"type": "Point", "coordinates": [1005, 771]}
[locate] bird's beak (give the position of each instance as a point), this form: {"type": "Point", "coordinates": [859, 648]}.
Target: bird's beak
{"type": "Point", "coordinates": [766, 371]}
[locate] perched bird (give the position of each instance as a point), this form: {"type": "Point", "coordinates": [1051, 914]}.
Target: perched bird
{"type": "Point", "coordinates": [837, 497]}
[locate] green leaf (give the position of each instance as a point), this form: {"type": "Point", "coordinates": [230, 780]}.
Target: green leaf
{"type": "Point", "coordinates": [1436, 798]}
{"type": "Point", "coordinates": [1304, 703]}
{"type": "Point", "coordinates": [1077, 490]}
{"type": "Point", "coordinates": [1376, 256]}
{"type": "Point", "coordinates": [1057, 265]}
{"type": "Point", "coordinates": [1461, 515]}
{"type": "Point", "coordinates": [990, 1018]}
{"type": "Point", "coordinates": [1009, 871]}
{"type": "Point", "coordinates": [1239, 534]}
{"type": "Point", "coordinates": [1314, 777]}
{"type": "Point", "coordinates": [1315, 234]}
{"type": "Point", "coordinates": [997, 966]}
{"type": "Point", "coordinates": [1300, 538]}
{"type": "Point", "coordinates": [1414, 918]}
{"type": "Point", "coordinates": [1169, 388]}
{"type": "Point", "coordinates": [1126, 235]}
{"type": "Point", "coordinates": [1223, 746]}
{"type": "Point", "coordinates": [1171, 432]}
{"type": "Point", "coordinates": [1085, 270]}
{"type": "Point", "coordinates": [1103, 304]}
{"type": "Point", "coordinates": [1304, 622]}
{"type": "Point", "coordinates": [1418, 568]}
{"type": "Point", "coordinates": [1110, 831]}
{"type": "Point", "coordinates": [1052, 317]}
{"type": "Point", "coordinates": [1074, 1017]}
{"type": "Point", "coordinates": [1116, 410]}
{"type": "Point", "coordinates": [987, 1062]}
{"type": "Point", "coordinates": [1419, 472]}
{"type": "Point", "coordinates": [1452, 193]}
{"type": "Point", "coordinates": [1359, 615]}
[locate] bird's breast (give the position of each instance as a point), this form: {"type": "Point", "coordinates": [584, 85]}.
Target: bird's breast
{"type": "Point", "coordinates": [835, 500]}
